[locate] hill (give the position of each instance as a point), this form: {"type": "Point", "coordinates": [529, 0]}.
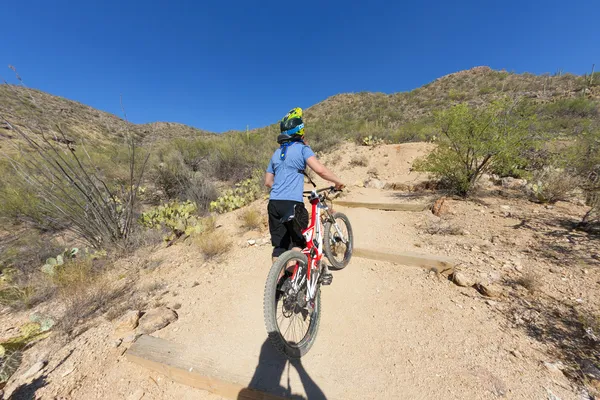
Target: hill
{"type": "Point", "coordinates": [37, 110]}
{"type": "Point", "coordinates": [563, 100]}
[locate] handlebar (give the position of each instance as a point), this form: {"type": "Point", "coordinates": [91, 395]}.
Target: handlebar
{"type": "Point", "coordinates": [330, 189]}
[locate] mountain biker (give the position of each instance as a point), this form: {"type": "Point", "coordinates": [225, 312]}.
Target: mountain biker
{"type": "Point", "coordinates": [285, 178]}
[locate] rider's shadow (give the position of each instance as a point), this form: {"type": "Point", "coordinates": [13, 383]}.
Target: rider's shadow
{"type": "Point", "coordinates": [267, 376]}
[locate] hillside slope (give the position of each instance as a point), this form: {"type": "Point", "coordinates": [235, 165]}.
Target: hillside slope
{"type": "Point", "coordinates": [399, 117]}
{"type": "Point", "coordinates": [40, 111]}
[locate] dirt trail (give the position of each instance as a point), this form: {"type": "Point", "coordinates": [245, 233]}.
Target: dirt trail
{"type": "Point", "coordinates": [387, 331]}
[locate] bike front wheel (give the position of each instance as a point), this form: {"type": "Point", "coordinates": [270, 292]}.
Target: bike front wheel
{"type": "Point", "coordinates": [338, 241]}
{"type": "Point", "coordinates": [291, 323]}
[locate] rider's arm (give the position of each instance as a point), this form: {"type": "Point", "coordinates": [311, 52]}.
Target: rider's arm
{"type": "Point", "coordinates": [323, 172]}
{"type": "Point", "coordinates": [269, 180]}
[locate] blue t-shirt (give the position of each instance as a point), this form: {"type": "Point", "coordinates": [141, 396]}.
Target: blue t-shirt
{"type": "Point", "coordinates": [289, 181]}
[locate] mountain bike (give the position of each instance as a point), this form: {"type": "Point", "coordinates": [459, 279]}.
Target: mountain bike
{"type": "Point", "coordinates": [292, 299]}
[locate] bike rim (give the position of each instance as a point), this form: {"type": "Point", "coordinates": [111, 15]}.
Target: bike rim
{"type": "Point", "coordinates": [293, 320]}
{"type": "Point", "coordinates": [340, 245]}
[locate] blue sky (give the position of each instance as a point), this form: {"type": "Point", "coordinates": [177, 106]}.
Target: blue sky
{"type": "Point", "coordinates": [221, 65]}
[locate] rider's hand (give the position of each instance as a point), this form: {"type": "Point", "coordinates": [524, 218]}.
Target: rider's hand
{"type": "Point", "coordinates": [339, 186]}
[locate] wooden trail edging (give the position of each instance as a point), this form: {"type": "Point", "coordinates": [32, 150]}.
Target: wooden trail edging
{"type": "Point", "coordinates": [441, 265]}
{"type": "Point", "coordinates": [384, 206]}
{"type": "Point", "coordinates": [174, 361]}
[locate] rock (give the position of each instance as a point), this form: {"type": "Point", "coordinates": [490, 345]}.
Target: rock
{"type": "Point", "coordinates": [137, 395]}
{"type": "Point", "coordinates": [440, 207]}
{"type": "Point", "coordinates": [195, 284]}
{"type": "Point", "coordinates": [126, 324]}
{"type": "Point", "coordinates": [505, 207]}
{"type": "Point", "coordinates": [555, 270]}
{"type": "Point", "coordinates": [461, 279]}
{"type": "Point", "coordinates": [555, 367]}
{"type": "Point", "coordinates": [494, 276]}
{"type": "Point", "coordinates": [475, 249]}
{"type": "Point", "coordinates": [33, 370]}
{"type": "Point", "coordinates": [262, 242]}
{"type": "Point", "coordinates": [156, 319]}
{"type": "Point", "coordinates": [513, 183]}
{"type": "Point", "coordinates": [488, 290]}
{"type": "Point", "coordinates": [375, 184]}
{"type": "Point", "coordinates": [68, 372]}
{"type": "Point", "coordinates": [491, 302]}
{"type": "Point", "coordinates": [176, 306]}
{"type": "Point", "coordinates": [359, 183]}
{"type": "Point", "coordinates": [251, 242]}
{"type": "Point", "coordinates": [117, 343]}
{"type": "Point", "coordinates": [132, 337]}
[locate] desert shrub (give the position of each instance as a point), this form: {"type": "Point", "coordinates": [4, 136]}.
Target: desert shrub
{"type": "Point", "coordinates": [550, 185]}
{"type": "Point", "coordinates": [476, 141]}
{"type": "Point", "coordinates": [583, 160]}
{"type": "Point", "coordinates": [171, 177]}
{"type": "Point", "coordinates": [456, 95]}
{"type": "Point", "coordinates": [251, 219]}
{"type": "Point", "coordinates": [201, 191]}
{"type": "Point", "coordinates": [359, 161]}
{"type": "Point", "coordinates": [214, 244]}
{"type": "Point", "coordinates": [486, 90]}
{"type": "Point", "coordinates": [578, 107]}
{"type": "Point", "coordinates": [242, 194]}
{"type": "Point", "coordinates": [322, 142]}
{"type": "Point", "coordinates": [72, 192]}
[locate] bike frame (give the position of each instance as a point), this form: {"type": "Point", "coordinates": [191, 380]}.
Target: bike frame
{"type": "Point", "coordinates": [314, 248]}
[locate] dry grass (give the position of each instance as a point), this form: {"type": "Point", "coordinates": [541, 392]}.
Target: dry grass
{"type": "Point", "coordinates": [214, 244]}
{"type": "Point", "coordinates": [552, 185]}
{"type": "Point", "coordinates": [359, 161]}
{"type": "Point", "coordinates": [530, 282]}
{"type": "Point", "coordinates": [84, 292]}
{"type": "Point", "coordinates": [251, 219]}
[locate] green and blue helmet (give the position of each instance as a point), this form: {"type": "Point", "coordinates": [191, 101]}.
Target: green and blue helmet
{"type": "Point", "coordinates": [291, 126]}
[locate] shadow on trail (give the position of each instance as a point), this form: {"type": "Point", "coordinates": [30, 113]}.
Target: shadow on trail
{"type": "Point", "coordinates": [267, 377]}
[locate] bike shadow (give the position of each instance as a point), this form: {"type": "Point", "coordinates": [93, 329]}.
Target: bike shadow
{"type": "Point", "coordinates": [269, 371]}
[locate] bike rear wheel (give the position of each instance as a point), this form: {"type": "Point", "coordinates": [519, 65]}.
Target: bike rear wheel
{"type": "Point", "coordinates": [291, 327]}
{"type": "Point", "coordinates": [338, 241]}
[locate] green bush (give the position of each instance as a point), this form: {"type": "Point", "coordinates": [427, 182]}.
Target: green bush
{"type": "Point", "coordinates": [475, 141]}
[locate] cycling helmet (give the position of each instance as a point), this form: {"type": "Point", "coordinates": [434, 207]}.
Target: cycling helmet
{"type": "Point", "coordinates": [291, 126]}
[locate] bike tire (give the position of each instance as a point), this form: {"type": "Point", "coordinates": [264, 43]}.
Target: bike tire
{"type": "Point", "coordinates": [327, 245]}
{"type": "Point", "coordinates": [290, 350]}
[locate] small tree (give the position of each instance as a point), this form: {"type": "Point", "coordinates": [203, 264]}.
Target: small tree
{"type": "Point", "coordinates": [584, 161]}
{"type": "Point", "coordinates": [478, 140]}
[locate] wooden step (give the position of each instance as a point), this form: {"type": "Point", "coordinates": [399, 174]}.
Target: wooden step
{"type": "Point", "coordinates": [442, 265]}
{"type": "Point", "coordinates": [384, 206]}
{"type": "Point", "coordinates": [178, 364]}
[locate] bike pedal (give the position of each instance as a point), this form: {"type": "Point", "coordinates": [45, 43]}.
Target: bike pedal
{"type": "Point", "coordinates": [326, 279]}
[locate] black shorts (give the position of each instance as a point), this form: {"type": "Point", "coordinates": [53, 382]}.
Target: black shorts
{"type": "Point", "coordinates": [286, 233]}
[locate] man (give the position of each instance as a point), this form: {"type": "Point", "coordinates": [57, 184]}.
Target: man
{"type": "Point", "coordinates": [285, 178]}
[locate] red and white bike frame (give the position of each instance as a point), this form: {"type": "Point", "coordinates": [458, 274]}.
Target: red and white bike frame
{"type": "Point", "coordinates": [313, 250]}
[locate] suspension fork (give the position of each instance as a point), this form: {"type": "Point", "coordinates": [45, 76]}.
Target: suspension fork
{"type": "Point", "coordinates": [335, 225]}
